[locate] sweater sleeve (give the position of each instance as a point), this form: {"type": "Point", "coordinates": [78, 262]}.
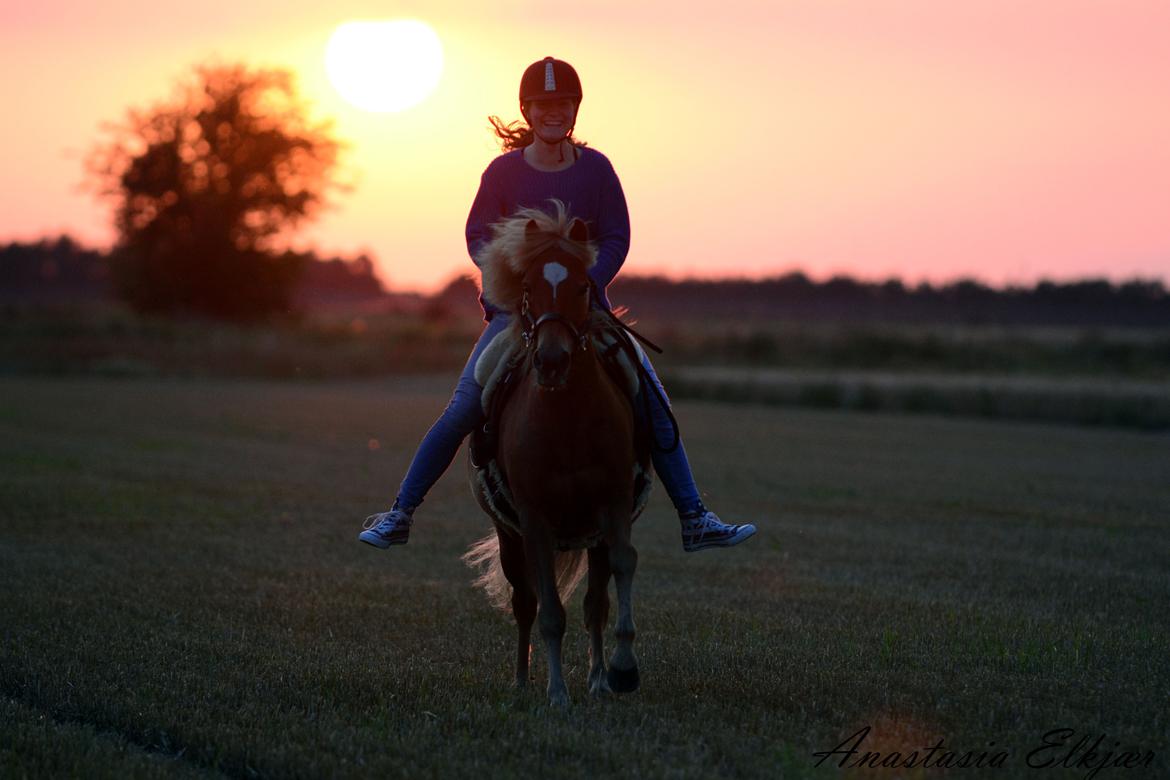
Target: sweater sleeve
{"type": "Point", "coordinates": [485, 210]}
{"type": "Point", "coordinates": [613, 229]}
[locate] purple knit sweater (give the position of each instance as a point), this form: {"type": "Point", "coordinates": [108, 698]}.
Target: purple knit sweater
{"type": "Point", "coordinates": [589, 189]}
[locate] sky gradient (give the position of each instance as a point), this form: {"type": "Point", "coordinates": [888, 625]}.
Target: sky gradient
{"type": "Point", "coordinates": [1003, 141]}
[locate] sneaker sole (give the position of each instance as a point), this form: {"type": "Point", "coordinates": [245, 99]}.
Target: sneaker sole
{"type": "Point", "coordinates": [744, 533]}
{"type": "Point", "coordinates": [381, 544]}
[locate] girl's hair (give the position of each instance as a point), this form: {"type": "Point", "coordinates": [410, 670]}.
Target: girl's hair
{"type": "Point", "coordinates": [517, 134]}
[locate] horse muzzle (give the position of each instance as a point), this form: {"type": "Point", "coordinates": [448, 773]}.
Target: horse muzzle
{"type": "Point", "coordinates": [552, 367]}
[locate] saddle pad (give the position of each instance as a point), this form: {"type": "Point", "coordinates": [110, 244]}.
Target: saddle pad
{"type": "Point", "coordinates": [493, 362]}
{"type": "Point", "coordinates": [604, 341]}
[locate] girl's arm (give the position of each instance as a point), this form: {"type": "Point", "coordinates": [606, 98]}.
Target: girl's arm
{"type": "Point", "coordinates": [485, 210]}
{"type": "Point", "coordinates": [613, 230]}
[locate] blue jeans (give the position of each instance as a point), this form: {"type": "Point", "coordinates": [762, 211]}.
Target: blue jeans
{"type": "Point", "coordinates": [464, 413]}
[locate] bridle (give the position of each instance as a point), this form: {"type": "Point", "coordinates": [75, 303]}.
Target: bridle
{"type": "Point", "coordinates": [531, 328]}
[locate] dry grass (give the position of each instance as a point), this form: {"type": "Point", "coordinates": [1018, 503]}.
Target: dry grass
{"type": "Point", "coordinates": [182, 593]}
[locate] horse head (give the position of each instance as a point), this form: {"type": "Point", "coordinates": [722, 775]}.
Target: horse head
{"type": "Point", "coordinates": [554, 309]}
{"type": "Point", "coordinates": [537, 267]}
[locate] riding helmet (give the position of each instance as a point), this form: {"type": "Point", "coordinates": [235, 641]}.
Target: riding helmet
{"type": "Point", "coordinates": [550, 78]}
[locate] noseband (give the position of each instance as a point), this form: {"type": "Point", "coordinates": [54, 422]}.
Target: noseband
{"type": "Point", "coordinates": [580, 333]}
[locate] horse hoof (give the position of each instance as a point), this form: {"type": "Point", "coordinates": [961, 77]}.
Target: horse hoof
{"type": "Point", "coordinates": [560, 700]}
{"type": "Point", "coordinates": [623, 680]}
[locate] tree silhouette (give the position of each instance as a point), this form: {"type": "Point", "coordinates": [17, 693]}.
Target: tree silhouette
{"type": "Point", "coordinates": [205, 187]}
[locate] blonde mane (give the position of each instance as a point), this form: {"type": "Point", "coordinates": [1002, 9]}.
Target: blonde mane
{"type": "Point", "coordinates": [505, 259]}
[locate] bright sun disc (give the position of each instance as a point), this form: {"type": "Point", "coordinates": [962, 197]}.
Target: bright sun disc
{"type": "Point", "coordinates": [384, 66]}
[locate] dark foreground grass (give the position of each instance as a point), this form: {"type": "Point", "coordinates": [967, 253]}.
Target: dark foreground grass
{"type": "Point", "coordinates": [182, 594]}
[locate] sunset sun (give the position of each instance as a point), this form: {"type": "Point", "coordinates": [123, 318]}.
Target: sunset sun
{"type": "Point", "coordinates": [384, 66]}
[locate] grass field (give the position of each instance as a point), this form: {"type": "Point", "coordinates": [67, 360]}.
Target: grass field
{"type": "Point", "coordinates": [182, 594]}
{"type": "Point", "coordinates": [1112, 401]}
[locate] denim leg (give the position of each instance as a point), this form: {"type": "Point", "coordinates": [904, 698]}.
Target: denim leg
{"type": "Point", "coordinates": [442, 441]}
{"type": "Point", "coordinates": [672, 468]}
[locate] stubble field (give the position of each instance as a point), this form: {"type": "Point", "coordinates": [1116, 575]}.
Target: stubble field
{"type": "Point", "coordinates": [182, 594]}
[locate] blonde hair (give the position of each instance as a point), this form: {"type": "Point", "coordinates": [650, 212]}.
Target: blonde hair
{"type": "Point", "coordinates": [506, 257]}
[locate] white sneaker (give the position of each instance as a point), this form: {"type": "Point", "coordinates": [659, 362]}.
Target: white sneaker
{"type": "Point", "coordinates": [707, 530]}
{"type": "Point", "coordinates": [386, 528]}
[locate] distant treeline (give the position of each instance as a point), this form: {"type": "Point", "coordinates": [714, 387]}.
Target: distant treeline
{"type": "Point", "coordinates": [61, 270]}
{"type": "Point", "coordinates": [795, 297]}
{"type": "Point", "coordinates": [53, 268]}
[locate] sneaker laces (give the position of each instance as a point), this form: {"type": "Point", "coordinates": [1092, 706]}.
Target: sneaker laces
{"type": "Point", "coordinates": [384, 522]}
{"type": "Point", "coordinates": [708, 521]}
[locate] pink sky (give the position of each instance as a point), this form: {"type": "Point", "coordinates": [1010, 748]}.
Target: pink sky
{"type": "Point", "coordinates": [929, 140]}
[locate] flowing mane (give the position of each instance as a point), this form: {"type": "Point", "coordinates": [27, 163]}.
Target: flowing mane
{"type": "Point", "coordinates": [505, 259]}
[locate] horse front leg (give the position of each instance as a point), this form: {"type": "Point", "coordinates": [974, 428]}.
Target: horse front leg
{"type": "Point", "coordinates": [538, 547]}
{"type": "Point", "coordinates": [596, 616]}
{"type": "Point", "coordinates": [623, 560]}
{"type": "Point", "coordinates": [515, 567]}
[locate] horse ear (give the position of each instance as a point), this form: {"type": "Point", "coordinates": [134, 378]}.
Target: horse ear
{"type": "Point", "coordinates": [531, 227]}
{"type": "Point", "coordinates": [578, 231]}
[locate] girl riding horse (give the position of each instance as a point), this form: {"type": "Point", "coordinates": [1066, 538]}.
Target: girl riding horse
{"type": "Point", "coordinates": [543, 161]}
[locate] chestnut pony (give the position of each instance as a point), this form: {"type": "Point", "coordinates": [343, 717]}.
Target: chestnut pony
{"type": "Point", "coordinates": [566, 450]}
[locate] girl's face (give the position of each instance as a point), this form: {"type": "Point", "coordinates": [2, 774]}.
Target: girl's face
{"type": "Point", "coordinates": [551, 120]}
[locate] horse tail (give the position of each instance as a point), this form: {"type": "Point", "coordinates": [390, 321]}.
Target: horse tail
{"type": "Point", "coordinates": [485, 556]}
{"type": "Point", "coordinates": [570, 566]}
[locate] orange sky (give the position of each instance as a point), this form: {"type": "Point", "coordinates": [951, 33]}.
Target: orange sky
{"type": "Point", "coordinates": [929, 140]}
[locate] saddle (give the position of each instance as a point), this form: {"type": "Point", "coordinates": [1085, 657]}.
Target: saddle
{"type": "Point", "coordinates": [498, 370]}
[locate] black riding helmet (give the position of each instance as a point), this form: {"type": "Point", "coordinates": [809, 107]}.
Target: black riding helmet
{"type": "Point", "coordinates": [549, 79]}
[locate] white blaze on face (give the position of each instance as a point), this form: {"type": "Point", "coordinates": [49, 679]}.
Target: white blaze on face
{"type": "Point", "coordinates": [554, 274]}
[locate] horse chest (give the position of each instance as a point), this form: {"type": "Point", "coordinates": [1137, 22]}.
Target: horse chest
{"type": "Point", "coordinates": [571, 452]}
